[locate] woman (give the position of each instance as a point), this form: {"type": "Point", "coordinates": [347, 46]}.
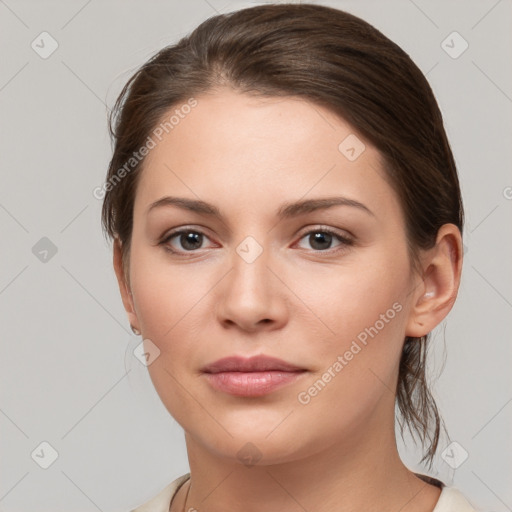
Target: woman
{"type": "Point", "coordinates": [287, 225]}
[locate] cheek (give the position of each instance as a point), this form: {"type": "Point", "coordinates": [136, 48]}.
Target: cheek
{"type": "Point", "coordinates": [340, 302]}
{"type": "Point", "coordinates": [164, 292]}
{"type": "Point", "coordinates": [354, 311]}
{"type": "Point", "coordinates": [359, 300]}
{"type": "Point", "coordinates": [364, 307]}
{"type": "Point", "coordinates": [360, 361]}
{"type": "Point", "coordinates": [169, 305]}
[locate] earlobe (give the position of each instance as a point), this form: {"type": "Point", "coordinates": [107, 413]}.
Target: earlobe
{"type": "Point", "coordinates": [124, 287]}
{"type": "Point", "coordinates": [437, 291]}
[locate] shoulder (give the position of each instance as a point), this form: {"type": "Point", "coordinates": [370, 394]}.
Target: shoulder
{"type": "Point", "coordinates": [161, 502]}
{"type": "Point", "coordinates": [452, 500]}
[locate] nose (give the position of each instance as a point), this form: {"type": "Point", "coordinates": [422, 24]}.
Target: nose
{"type": "Point", "coordinates": [251, 296]}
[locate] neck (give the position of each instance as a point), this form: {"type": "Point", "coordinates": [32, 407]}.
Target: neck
{"type": "Point", "coordinates": [363, 472]}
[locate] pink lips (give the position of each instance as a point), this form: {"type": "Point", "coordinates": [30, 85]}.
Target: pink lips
{"type": "Point", "coordinates": [255, 376]}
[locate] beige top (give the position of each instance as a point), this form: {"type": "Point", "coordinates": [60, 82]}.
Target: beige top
{"type": "Point", "coordinates": [450, 499]}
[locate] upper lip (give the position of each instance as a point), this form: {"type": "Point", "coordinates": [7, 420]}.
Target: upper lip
{"type": "Point", "coordinates": [252, 364]}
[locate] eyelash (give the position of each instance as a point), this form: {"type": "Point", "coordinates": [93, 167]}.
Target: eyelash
{"type": "Point", "coordinates": [345, 241]}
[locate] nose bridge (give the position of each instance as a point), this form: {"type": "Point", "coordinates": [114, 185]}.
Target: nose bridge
{"type": "Point", "coordinates": [250, 266]}
{"type": "Point", "coordinates": [251, 250]}
{"type": "Point", "coordinates": [250, 293]}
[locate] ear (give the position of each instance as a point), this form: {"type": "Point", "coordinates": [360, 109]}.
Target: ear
{"type": "Point", "coordinates": [124, 286]}
{"type": "Point", "coordinates": [436, 290]}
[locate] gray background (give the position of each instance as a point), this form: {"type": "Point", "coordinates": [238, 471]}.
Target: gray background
{"type": "Point", "coordinates": [68, 376]}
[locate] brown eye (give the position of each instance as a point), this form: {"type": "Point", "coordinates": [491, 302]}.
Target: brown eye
{"type": "Point", "coordinates": [322, 239]}
{"type": "Point", "coordinates": [187, 240]}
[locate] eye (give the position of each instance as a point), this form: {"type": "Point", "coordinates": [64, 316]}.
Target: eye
{"type": "Point", "coordinates": [321, 238]}
{"type": "Point", "coordinates": [188, 239]}
{"type": "Point", "coordinates": [185, 240]}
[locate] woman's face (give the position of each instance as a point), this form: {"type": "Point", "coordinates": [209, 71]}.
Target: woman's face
{"type": "Point", "coordinates": [252, 281]}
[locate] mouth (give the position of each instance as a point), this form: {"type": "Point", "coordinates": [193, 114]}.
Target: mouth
{"type": "Point", "coordinates": [260, 363]}
{"type": "Point", "coordinates": [251, 383]}
{"type": "Point", "coordinates": [255, 376]}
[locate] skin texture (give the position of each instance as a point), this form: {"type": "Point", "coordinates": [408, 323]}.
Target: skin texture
{"type": "Point", "coordinates": [299, 301]}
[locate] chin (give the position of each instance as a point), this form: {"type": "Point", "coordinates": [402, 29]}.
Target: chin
{"type": "Point", "coordinates": [257, 445]}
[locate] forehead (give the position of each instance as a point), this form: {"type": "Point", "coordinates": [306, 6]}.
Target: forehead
{"type": "Point", "coordinates": [262, 150]}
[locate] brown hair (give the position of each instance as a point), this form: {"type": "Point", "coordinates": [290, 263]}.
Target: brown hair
{"type": "Point", "coordinates": [335, 60]}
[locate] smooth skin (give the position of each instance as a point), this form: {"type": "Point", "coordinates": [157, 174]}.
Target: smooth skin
{"type": "Point", "coordinates": [304, 299]}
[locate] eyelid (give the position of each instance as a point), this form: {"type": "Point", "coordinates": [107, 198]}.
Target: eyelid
{"type": "Point", "coordinates": [344, 234]}
{"type": "Point", "coordinates": [180, 230]}
{"type": "Point", "coordinates": [346, 240]}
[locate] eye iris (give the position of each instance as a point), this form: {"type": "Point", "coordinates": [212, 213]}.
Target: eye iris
{"type": "Point", "coordinates": [190, 238]}
{"type": "Point", "coordinates": [319, 238]}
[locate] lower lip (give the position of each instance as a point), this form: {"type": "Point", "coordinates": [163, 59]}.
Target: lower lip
{"type": "Point", "coordinates": [251, 383]}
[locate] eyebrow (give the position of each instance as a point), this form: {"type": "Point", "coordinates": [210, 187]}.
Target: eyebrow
{"type": "Point", "coordinates": [287, 210]}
